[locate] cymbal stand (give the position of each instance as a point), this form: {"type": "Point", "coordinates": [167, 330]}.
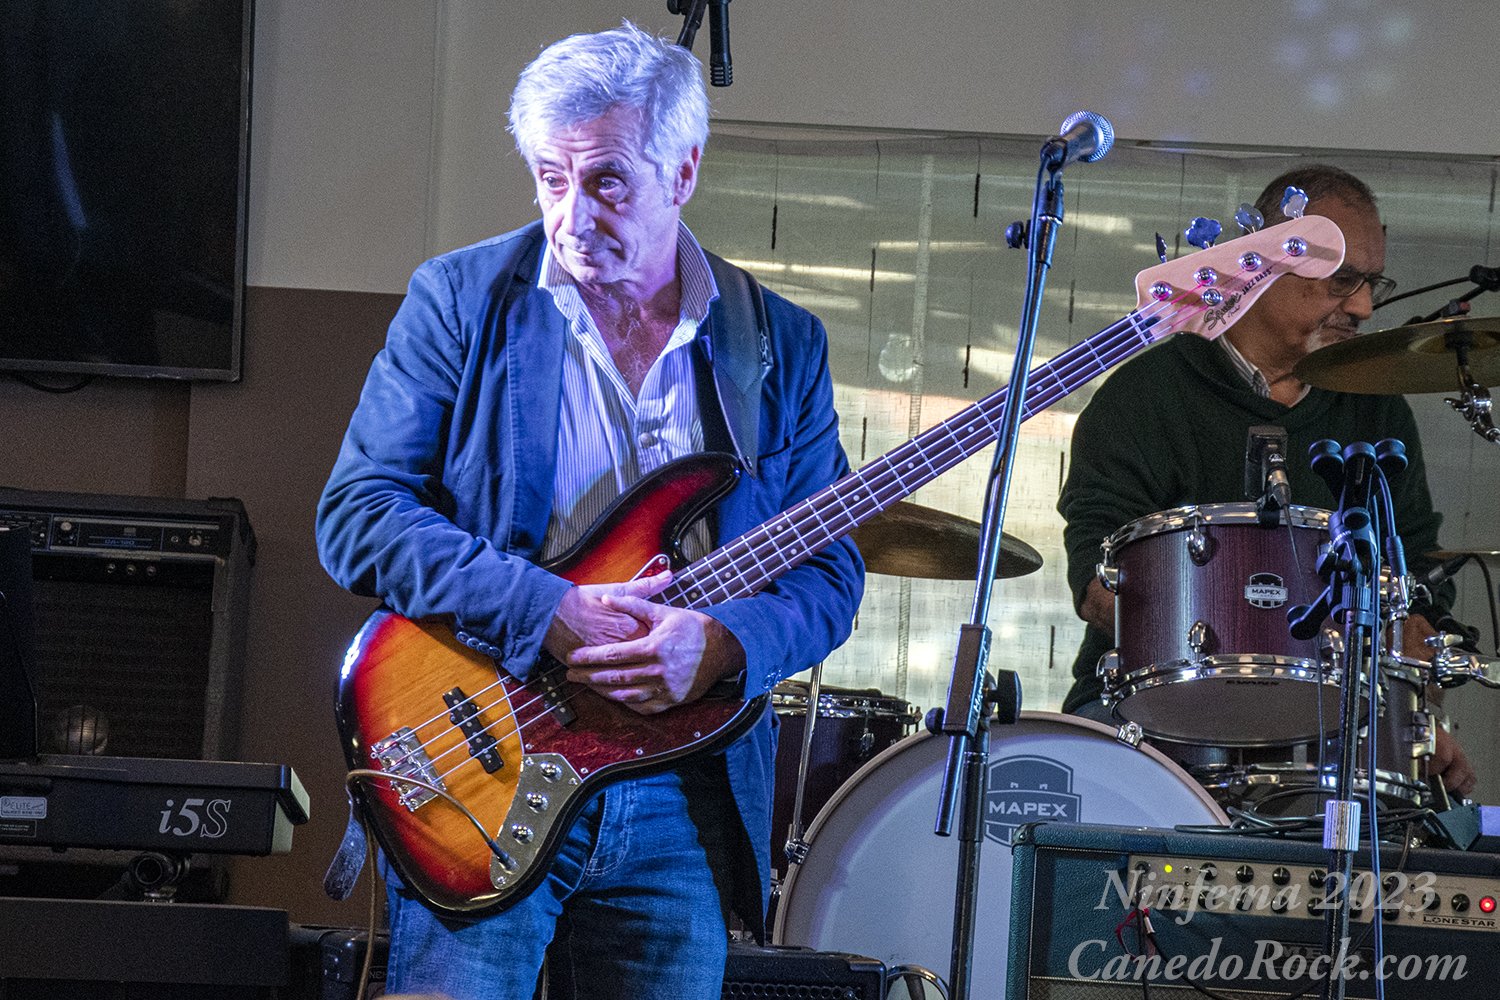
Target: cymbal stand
{"type": "Point", "coordinates": [1473, 402]}
{"type": "Point", "coordinates": [796, 847]}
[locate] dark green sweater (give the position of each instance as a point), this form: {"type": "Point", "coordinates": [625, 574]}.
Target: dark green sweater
{"type": "Point", "coordinates": [1169, 427]}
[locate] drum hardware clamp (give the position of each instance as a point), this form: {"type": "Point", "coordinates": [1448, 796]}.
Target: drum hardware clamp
{"type": "Point", "coordinates": [1454, 665]}
{"type": "Point", "coordinates": [1108, 669]}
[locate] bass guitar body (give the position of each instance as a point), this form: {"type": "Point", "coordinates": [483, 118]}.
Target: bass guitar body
{"type": "Point", "coordinates": [422, 713]}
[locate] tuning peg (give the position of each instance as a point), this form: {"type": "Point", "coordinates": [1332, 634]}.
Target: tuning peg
{"type": "Point", "coordinates": [1203, 233]}
{"type": "Point", "coordinates": [1249, 219]}
{"type": "Point", "coordinates": [1161, 248]}
{"type": "Point", "coordinates": [1294, 203]}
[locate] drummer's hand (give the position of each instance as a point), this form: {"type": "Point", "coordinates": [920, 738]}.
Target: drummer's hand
{"type": "Point", "coordinates": [1450, 761]}
{"type": "Point", "coordinates": [1098, 608]}
{"type": "Point", "coordinates": [1414, 636]}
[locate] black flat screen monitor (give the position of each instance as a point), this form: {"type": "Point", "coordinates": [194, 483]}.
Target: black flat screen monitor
{"type": "Point", "coordinates": [124, 142]}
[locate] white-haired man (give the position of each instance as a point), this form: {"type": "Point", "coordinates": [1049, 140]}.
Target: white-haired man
{"type": "Point", "coordinates": [528, 381]}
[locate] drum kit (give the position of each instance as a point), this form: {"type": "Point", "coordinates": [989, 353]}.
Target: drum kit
{"type": "Point", "coordinates": [1220, 712]}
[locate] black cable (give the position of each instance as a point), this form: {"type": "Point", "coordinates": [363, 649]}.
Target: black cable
{"type": "Point", "coordinates": [1489, 586]}
{"type": "Point", "coordinates": [1204, 990]}
{"type": "Point", "coordinates": [56, 390]}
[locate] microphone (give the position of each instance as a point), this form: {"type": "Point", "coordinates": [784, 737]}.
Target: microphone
{"type": "Point", "coordinates": [1487, 278]}
{"type": "Point", "coordinates": [1359, 480]}
{"type": "Point", "coordinates": [1084, 136]}
{"type": "Point", "coordinates": [1277, 487]}
{"type": "Point", "coordinates": [1265, 472]}
{"type": "Point", "coordinates": [720, 71]}
{"type": "Point", "coordinates": [1442, 571]}
{"type": "Point", "coordinates": [1353, 515]}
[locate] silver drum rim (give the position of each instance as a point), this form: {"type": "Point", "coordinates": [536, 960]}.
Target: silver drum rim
{"type": "Point", "coordinates": [1388, 784]}
{"type": "Point", "coordinates": [1187, 516]}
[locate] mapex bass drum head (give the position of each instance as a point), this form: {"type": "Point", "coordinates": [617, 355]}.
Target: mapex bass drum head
{"type": "Point", "coordinates": [878, 882]}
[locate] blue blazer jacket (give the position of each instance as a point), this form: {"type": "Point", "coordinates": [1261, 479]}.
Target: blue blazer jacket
{"type": "Point", "coordinates": [442, 490]}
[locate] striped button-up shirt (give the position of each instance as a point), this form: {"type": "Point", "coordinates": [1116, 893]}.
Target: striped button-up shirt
{"type": "Point", "coordinates": [1253, 375]}
{"type": "Point", "coordinates": [607, 437]}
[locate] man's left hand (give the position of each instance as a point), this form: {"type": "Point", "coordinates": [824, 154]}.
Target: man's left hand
{"type": "Point", "coordinates": [1450, 763]}
{"type": "Point", "coordinates": [681, 656]}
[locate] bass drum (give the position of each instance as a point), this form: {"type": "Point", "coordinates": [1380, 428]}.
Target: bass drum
{"type": "Point", "coordinates": [878, 882]}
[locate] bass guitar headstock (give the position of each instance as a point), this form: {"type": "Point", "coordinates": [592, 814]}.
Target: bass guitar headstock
{"type": "Point", "coordinates": [1208, 291]}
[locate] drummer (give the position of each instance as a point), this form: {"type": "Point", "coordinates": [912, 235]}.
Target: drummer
{"type": "Point", "coordinates": [1170, 427]}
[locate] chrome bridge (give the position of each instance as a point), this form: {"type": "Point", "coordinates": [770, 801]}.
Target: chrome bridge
{"type": "Point", "coordinates": [401, 756]}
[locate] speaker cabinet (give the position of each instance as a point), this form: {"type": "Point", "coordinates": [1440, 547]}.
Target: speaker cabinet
{"type": "Point", "coordinates": [326, 962]}
{"type": "Point", "coordinates": [753, 971]}
{"type": "Point", "coordinates": [139, 610]}
{"type": "Point", "coordinates": [108, 950]}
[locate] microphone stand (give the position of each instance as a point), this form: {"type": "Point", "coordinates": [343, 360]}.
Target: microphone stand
{"type": "Point", "coordinates": [1350, 565]}
{"type": "Point", "coordinates": [692, 19]}
{"type": "Point", "coordinates": [972, 697]}
{"type": "Point", "coordinates": [1485, 279]}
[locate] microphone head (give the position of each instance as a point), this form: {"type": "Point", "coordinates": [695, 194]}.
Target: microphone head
{"type": "Point", "coordinates": [1102, 128]}
{"type": "Point", "coordinates": [1487, 278]}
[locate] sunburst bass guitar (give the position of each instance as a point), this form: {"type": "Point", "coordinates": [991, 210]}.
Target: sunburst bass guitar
{"type": "Point", "coordinates": [470, 777]}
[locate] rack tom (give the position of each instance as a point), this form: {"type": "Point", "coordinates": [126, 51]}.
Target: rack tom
{"type": "Point", "coordinates": [1203, 650]}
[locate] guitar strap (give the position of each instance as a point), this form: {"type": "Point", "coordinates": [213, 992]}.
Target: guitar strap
{"type": "Point", "coordinates": [739, 343]}
{"type": "Point", "coordinates": [349, 860]}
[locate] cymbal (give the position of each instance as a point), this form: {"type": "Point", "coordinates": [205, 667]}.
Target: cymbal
{"type": "Point", "coordinates": [907, 539]}
{"type": "Point", "coordinates": [1422, 357]}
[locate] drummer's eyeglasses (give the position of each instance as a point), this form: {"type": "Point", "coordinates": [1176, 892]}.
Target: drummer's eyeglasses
{"type": "Point", "coordinates": [1346, 281]}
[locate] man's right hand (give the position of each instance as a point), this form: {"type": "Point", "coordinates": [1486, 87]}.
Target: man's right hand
{"type": "Point", "coordinates": [583, 619]}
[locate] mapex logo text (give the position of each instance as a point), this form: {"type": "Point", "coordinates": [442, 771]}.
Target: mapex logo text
{"type": "Point", "coordinates": [1266, 590]}
{"type": "Point", "coordinates": [1026, 789]}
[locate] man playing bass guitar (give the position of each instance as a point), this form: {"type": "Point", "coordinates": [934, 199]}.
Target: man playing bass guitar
{"type": "Point", "coordinates": [526, 383]}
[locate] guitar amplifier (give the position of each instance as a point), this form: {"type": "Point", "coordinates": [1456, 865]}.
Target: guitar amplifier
{"type": "Point", "coordinates": [139, 609]}
{"type": "Point", "coordinates": [1241, 914]}
{"type": "Point", "coordinates": [133, 643]}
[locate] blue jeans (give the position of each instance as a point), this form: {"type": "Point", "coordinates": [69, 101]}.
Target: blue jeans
{"type": "Point", "coordinates": [635, 905]}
